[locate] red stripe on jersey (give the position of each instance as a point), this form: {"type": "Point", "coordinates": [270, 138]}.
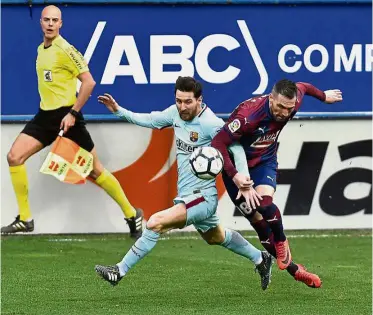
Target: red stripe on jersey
{"type": "Point", "coordinates": [194, 202]}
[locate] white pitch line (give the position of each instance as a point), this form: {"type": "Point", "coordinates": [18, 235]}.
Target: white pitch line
{"type": "Point", "coordinates": [255, 236]}
{"type": "Point", "coordinates": [67, 240]}
{"type": "Point", "coordinates": [170, 238]}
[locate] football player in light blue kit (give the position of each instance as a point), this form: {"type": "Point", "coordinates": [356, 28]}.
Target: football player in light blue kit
{"type": "Point", "coordinates": [194, 125]}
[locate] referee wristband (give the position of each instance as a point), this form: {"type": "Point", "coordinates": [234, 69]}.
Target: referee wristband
{"type": "Point", "coordinates": [74, 113]}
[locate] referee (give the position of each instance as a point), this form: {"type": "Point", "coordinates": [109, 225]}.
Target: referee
{"type": "Point", "coordinates": [58, 65]}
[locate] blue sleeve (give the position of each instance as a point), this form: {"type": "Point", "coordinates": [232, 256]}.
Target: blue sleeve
{"type": "Point", "coordinates": [239, 158]}
{"type": "Point", "coordinates": [154, 120]}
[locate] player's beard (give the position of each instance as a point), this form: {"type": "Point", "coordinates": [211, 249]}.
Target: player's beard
{"type": "Point", "coordinates": [185, 116]}
{"type": "Point", "coordinates": [275, 116]}
{"type": "Point", "coordinates": [280, 119]}
{"type": "Point", "coordinates": [188, 115]}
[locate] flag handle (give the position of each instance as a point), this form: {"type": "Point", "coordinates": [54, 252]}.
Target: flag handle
{"type": "Point", "coordinates": [60, 133]}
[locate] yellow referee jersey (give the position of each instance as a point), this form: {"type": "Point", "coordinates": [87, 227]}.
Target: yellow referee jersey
{"type": "Point", "coordinates": [57, 67]}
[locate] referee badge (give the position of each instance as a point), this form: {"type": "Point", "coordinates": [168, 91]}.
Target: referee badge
{"type": "Point", "coordinates": [193, 136]}
{"type": "Point", "coordinates": [48, 76]}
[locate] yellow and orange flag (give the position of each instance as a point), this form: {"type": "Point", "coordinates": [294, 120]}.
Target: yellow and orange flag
{"type": "Point", "coordinates": [67, 161]}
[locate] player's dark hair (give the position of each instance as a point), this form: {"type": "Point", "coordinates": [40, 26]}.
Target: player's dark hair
{"type": "Point", "coordinates": [189, 84]}
{"type": "Point", "coordinates": [286, 88]}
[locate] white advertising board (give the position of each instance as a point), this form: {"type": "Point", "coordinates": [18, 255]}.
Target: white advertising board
{"type": "Point", "coordinates": [324, 181]}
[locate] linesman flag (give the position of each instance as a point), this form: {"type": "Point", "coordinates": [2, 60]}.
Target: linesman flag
{"type": "Point", "coordinates": [67, 161]}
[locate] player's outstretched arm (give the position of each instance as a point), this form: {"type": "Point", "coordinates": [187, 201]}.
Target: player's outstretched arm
{"type": "Point", "coordinates": [243, 177]}
{"type": "Point", "coordinates": [109, 102]}
{"type": "Point", "coordinates": [231, 132]}
{"type": "Point", "coordinates": [154, 120]}
{"type": "Point", "coordinates": [221, 142]}
{"type": "Point", "coordinates": [239, 157]}
{"type": "Point", "coordinates": [328, 96]}
{"type": "Point", "coordinates": [333, 96]}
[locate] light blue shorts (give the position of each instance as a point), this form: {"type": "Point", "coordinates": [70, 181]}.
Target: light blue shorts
{"type": "Point", "coordinates": [201, 210]}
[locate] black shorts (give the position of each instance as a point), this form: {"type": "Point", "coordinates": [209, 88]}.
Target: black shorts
{"type": "Point", "coordinates": [45, 127]}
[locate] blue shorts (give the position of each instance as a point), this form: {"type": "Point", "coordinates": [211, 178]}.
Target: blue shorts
{"type": "Point", "coordinates": [201, 210]}
{"type": "Point", "coordinates": [263, 174]}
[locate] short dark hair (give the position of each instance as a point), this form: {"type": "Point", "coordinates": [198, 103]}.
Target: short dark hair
{"type": "Point", "coordinates": [286, 88]}
{"type": "Point", "coordinates": [189, 84]}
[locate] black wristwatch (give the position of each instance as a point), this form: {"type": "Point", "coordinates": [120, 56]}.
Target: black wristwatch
{"type": "Point", "coordinates": [74, 113]}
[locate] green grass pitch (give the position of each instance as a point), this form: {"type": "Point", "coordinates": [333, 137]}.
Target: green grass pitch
{"type": "Point", "coordinates": [182, 275]}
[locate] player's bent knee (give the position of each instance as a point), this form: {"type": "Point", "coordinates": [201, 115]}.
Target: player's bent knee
{"type": "Point", "coordinates": [14, 159]}
{"type": "Point", "coordinates": [155, 223]}
{"type": "Point", "coordinates": [268, 209]}
{"type": "Point", "coordinates": [214, 240]}
{"type": "Point", "coordinates": [94, 174]}
{"type": "Point", "coordinates": [214, 237]}
{"type": "Point", "coordinates": [256, 217]}
{"type": "Point", "coordinates": [98, 169]}
{"type": "Point", "coordinates": [265, 203]}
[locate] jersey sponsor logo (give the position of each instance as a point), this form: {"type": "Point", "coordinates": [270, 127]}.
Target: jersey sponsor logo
{"type": "Point", "coordinates": [234, 125]}
{"type": "Point", "coordinates": [265, 140]}
{"type": "Point", "coordinates": [181, 145]}
{"type": "Point", "coordinates": [193, 136]}
{"type": "Point", "coordinates": [48, 76]}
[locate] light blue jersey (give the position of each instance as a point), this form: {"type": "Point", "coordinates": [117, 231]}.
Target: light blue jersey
{"type": "Point", "coordinates": [199, 196]}
{"type": "Point", "coordinates": [189, 135]}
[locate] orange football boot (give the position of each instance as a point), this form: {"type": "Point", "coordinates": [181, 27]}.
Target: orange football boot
{"type": "Point", "coordinates": [310, 279]}
{"type": "Point", "coordinates": [283, 254]}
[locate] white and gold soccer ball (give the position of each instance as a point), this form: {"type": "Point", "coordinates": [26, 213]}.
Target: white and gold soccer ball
{"type": "Point", "coordinates": [206, 162]}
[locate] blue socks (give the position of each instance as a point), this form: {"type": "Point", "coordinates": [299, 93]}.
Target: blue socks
{"type": "Point", "coordinates": [138, 250]}
{"type": "Point", "coordinates": [239, 245]}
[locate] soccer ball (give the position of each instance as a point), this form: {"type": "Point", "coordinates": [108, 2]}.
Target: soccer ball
{"type": "Point", "coordinates": [206, 162]}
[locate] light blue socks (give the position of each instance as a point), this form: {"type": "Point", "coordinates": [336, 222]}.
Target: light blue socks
{"type": "Point", "coordinates": [138, 250]}
{"type": "Point", "coordinates": [235, 242]}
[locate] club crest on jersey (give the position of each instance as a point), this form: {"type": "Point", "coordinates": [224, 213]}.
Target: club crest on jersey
{"type": "Point", "coordinates": [48, 76]}
{"type": "Point", "coordinates": [234, 125]}
{"type": "Point", "coordinates": [193, 136]}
